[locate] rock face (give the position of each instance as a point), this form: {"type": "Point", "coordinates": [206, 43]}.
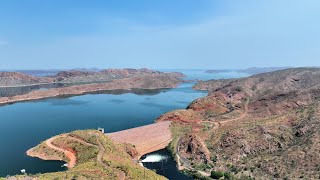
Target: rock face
{"type": "Point", "coordinates": [88, 82]}
{"type": "Point", "coordinates": [266, 126]}
{"type": "Point", "coordinates": [191, 148]}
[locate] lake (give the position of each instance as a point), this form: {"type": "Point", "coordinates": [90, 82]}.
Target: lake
{"type": "Point", "coordinates": [24, 125]}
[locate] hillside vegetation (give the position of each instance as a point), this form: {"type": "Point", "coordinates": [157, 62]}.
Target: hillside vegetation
{"type": "Point", "coordinates": [97, 157]}
{"type": "Point", "coordinates": [266, 126]}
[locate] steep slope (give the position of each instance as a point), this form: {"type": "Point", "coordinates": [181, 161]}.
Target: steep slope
{"type": "Point", "coordinates": [264, 126]}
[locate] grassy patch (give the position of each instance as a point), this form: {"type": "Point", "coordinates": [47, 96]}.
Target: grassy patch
{"type": "Point", "coordinates": [207, 126]}
{"type": "Point", "coordinates": [114, 161]}
{"type": "Point", "coordinates": [178, 130]}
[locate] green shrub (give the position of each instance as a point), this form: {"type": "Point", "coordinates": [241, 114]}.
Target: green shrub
{"type": "Point", "coordinates": [203, 166]}
{"type": "Point", "coordinates": [198, 176]}
{"type": "Point", "coordinates": [228, 176]}
{"type": "Point", "coordinates": [244, 177]}
{"type": "Point", "coordinates": [216, 174]}
{"type": "Point", "coordinates": [214, 158]}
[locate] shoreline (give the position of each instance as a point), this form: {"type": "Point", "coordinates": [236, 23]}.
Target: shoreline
{"type": "Point", "coordinates": [146, 139]}
{"type": "Point", "coordinates": [29, 85]}
{"type": "Point", "coordinates": [129, 90]}
{"type": "Point", "coordinates": [120, 84]}
{"type": "Point", "coordinates": [55, 83]}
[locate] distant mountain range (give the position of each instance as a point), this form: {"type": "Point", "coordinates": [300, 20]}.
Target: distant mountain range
{"type": "Point", "coordinates": [251, 71]}
{"type": "Point", "coordinates": [14, 85]}
{"type": "Point", "coordinates": [50, 72]}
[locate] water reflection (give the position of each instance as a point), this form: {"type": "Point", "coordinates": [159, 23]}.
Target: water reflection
{"type": "Point", "coordinates": [14, 91]}
{"type": "Point", "coordinates": [118, 101]}
{"type": "Point", "coordinates": [156, 105]}
{"type": "Point", "coordinates": [66, 102]}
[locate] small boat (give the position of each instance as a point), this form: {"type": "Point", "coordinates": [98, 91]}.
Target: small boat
{"type": "Point", "coordinates": [65, 165]}
{"type": "Point", "coordinates": [23, 171]}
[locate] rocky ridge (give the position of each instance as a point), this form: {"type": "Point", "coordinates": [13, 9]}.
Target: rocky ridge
{"type": "Point", "coordinates": [90, 82]}
{"type": "Point", "coordinates": [8, 79]}
{"type": "Point", "coordinates": [13, 79]}
{"type": "Point", "coordinates": [265, 126]}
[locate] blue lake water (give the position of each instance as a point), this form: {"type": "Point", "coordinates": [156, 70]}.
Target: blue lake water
{"type": "Point", "coordinates": [24, 125]}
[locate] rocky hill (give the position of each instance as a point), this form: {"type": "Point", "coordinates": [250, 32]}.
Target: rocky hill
{"type": "Point", "coordinates": [266, 126]}
{"type": "Point", "coordinates": [14, 79]}
{"type": "Point", "coordinates": [105, 75]}
{"type": "Point", "coordinates": [252, 70]}
{"type": "Point", "coordinates": [90, 155]}
{"type": "Point", "coordinates": [78, 82]}
{"type": "Point", "coordinates": [8, 79]}
{"type": "Point", "coordinates": [128, 72]}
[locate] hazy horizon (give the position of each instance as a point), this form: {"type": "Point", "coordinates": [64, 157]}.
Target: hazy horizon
{"type": "Point", "coordinates": [159, 69]}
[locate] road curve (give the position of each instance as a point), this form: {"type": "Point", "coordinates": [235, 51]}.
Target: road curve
{"type": "Point", "coordinates": [71, 156]}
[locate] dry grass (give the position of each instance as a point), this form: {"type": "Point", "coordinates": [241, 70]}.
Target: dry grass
{"type": "Point", "coordinates": [115, 160]}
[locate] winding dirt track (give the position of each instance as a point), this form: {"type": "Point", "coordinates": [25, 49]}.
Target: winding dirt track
{"type": "Point", "coordinates": [121, 174]}
{"type": "Point", "coordinates": [216, 126]}
{"type": "Point", "coordinates": [71, 156]}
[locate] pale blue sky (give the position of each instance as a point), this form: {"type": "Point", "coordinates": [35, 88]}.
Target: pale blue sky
{"type": "Point", "coordinates": [159, 34]}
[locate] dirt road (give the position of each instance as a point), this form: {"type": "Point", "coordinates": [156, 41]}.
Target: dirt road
{"type": "Point", "coordinates": [71, 156]}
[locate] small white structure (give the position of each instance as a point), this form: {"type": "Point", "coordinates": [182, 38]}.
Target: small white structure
{"type": "Point", "coordinates": [101, 129]}
{"type": "Point", "coordinates": [23, 171]}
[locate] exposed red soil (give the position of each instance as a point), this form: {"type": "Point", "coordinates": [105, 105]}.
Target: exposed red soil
{"type": "Point", "coordinates": [69, 152]}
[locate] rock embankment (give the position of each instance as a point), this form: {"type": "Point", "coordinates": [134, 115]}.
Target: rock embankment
{"type": "Point", "coordinates": [145, 139]}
